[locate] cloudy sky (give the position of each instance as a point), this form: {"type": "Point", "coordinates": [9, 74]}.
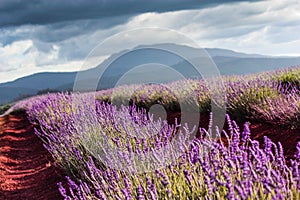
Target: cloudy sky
{"type": "Point", "coordinates": [57, 35]}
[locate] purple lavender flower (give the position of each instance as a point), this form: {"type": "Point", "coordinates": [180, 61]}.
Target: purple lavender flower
{"type": "Point", "coordinates": [297, 154]}
{"type": "Point", "coordinates": [165, 179]}
{"type": "Point", "coordinates": [140, 193]}
{"type": "Point", "coordinates": [100, 195]}
{"type": "Point", "coordinates": [245, 133]}
{"type": "Point", "coordinates": [63, 191]}
{"type": "Point", "coordinates": [187, 176]}
{"type": "Point", "coordinates": [230, 193]}
{"type": "Point", "coordinates": [151, 188]}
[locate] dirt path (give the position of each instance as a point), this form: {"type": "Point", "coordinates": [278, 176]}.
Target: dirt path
{"type": "Point", "coordinates": [26, 167]}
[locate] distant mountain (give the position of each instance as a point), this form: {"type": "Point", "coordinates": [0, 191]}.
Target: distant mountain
{"type": "Point", "coordinates": [30, 85]}
{"type": "Point", "coordinates": [228, 62]}
{"type": "Point", "coordinates": [248, 65]}
{"type": "Point", "coordinates": [229, 65]}
{"type": "Point", "coordinates": [214, 52]}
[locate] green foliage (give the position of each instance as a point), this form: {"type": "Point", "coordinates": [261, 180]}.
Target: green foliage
{"type": "Point", "coordinates": [46, 91]}
{"type": "Point", "coordinates": [290, 79]}
{"type": "Point", "coordinates": [4, 108]}
{"type": "Point", "coordinates": [241, 107]}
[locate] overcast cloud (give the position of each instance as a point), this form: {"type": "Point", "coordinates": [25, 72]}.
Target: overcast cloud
{"type": "Point", "coordinates": [19, 12]}
{"type": "Point", "coordinates": [35, 39]}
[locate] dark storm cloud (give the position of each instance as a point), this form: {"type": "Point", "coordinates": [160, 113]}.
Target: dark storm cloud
{"type": "Point", "coordinates": [56, 32]}
{"type": "Point", "coordinates": [20, 12]}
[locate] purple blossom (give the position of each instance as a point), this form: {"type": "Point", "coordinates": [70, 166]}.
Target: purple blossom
{"type": "Point", "coordinates": [246, 133]}
{"type": "Point", "coordinates": [140, 193]}
{"type": "Point", "coordinates": [297, 154]}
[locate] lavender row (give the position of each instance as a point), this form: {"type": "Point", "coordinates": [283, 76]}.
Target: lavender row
{"type": "Point", "coordinates": [246, 97]}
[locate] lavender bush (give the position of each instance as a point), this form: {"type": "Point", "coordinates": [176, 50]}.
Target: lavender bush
{"type": "Point", "coordinates": [207, 170]}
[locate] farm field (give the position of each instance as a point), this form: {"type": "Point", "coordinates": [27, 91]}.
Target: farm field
{"type": "Point", "coordinates": [149, 100]}
{"type": "Point", "coordinates": [122, 151]}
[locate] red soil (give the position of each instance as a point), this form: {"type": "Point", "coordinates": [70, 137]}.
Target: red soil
{"type": "Point", "coordinates": [27, 169]}
{"type": "Point", "coordinates": [285, 135]}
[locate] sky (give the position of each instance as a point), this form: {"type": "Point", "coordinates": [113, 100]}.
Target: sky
{"type": "Point", "coordinates": [47, 36]}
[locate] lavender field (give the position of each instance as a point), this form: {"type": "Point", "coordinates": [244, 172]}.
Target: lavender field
{"type": "Point", "coordinates": [112, 149]}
